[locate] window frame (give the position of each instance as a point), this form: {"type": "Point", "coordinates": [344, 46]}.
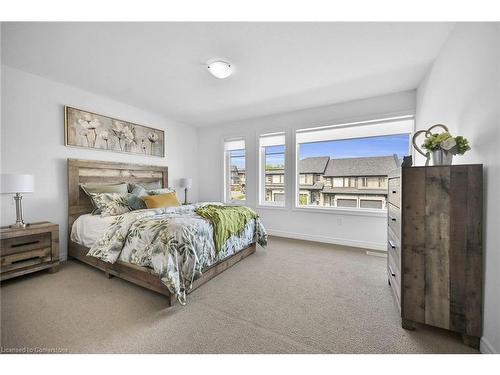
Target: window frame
{"type": "Point", "coordinates": [261, 171]}
{"type": "Point", "coordinates": [227, 173]}
{"type": "Point", "coordinates": [343, 210]}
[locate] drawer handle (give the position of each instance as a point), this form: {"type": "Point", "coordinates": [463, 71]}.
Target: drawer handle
{"type": "Point", "coordinates": [394, 192]}
{"type": "Point", "coordinates": [392, 244]}
{"type": "Point", "coordinates": [392, 272]}
{"type": "Point", "coordinates": [24, 260]}
{"type": "Point", "coordinates": [393, 218]}
{"type": "Point", "coordinates": [24, 244]}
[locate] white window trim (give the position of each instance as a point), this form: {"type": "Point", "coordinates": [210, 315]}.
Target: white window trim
{"type": "Point", "coordinates": [338, 210]}
{"type": "Point", "coordinates": [226, 181]}
{"type": "Point", "coordinates": [261, 190]}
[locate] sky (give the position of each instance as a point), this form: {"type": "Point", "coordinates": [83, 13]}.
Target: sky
{"type": "Point", "coordinates": [346, 148]}
{"type": "Point", "coordinates": [358, 147]}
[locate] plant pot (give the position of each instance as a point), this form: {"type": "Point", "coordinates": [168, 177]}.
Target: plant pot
{"type": "Point", "coordinates": [442, 157]}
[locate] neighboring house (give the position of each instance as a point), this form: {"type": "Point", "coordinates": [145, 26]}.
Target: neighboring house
{"type": "Point", "coordinates": [311, 171]}
{"type": "Point", "coordinates": [275, 184]}
{"type": "Point", "coordinates": [358, 182]}
{"type": "Point", "coordinates": [350, 182]}
{"type": "Point", "coordinates": [238, 183]}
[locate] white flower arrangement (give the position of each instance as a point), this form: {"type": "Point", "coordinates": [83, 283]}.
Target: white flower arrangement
{"type": "Point", "coordinates": [153, 138]}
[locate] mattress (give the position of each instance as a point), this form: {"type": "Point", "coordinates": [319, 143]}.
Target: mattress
{"type": "Point", "coordinates": [88, 228]}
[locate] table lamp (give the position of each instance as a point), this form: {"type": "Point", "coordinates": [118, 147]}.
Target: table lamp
{"type": "Point", "coordinates": [186, 183]}
{"type": "Point", "coordinates": [17, 184]}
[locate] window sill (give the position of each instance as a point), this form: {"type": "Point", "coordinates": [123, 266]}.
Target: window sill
{"type": "Point", "coordinates": [236, 203]}
{"type": "Point", "coordinates": [265, 207]}
{"type": "Point", "coordinates": [343, 211]}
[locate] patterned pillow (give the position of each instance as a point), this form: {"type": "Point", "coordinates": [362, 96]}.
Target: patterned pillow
{"type": "Point", "coordinates": [92, 188]}
{"type": "Point", "coordinates": [141, 191]}
{"type": "Point", "coordinates": [161, 191]}
{"type": "Point", "coordinates": [146, 185]}
{"type": "Point", "coordinates": [111, 204]}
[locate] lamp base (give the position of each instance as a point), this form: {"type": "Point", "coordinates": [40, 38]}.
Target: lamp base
{"type": "Point", "coordinates": [19, 225]}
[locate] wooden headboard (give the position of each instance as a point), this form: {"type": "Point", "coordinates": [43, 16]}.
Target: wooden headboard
{"type": "Point", "coordinates": [85, 171]}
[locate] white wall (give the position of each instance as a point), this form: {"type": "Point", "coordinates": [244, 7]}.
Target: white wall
{"type": "Point", "coordinates": [462, 91]}
{"type": "Point", "coordinates": [367, 231]}
{"type": "Point", "coordinates": [32, 142]}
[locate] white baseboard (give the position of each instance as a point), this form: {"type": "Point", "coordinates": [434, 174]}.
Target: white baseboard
{"type": "Point", "coordinates": [332, 240]}
{"type": "Point", "coordinates": [486, 348]}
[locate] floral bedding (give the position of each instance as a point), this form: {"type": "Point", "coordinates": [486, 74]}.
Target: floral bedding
{"type": "Point", "coordinates": [175, 242]}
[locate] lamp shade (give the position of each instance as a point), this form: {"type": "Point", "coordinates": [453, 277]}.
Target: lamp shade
{"type": "Point", "coordinates": [186, 183]}
{"type": "Point", "coordinates": [17, 183]}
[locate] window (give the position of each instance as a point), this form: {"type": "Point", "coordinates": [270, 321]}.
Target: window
{"type": "Point", "coordinates": [306, 179]}
{"type": "Point", "coordinates": [338, 182]}
{"type": "Point", "coordinates": [235, 172]}
{"type": "Point", "coordinates": [347, 165]}
{"type": "Point", "coordinates": [272, 169]}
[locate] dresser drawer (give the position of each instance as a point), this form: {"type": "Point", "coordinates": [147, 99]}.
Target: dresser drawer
{"type": "Point", "coordinates": [394, 247]}
{"type": "Point", "coordinates": [394, 195]}
{"type": "Point", "coordinates": [394, 275]}
{"type": "Point", "coordinates": [394, 220]}
{"type": "Point", "coordinates": [25, 243]}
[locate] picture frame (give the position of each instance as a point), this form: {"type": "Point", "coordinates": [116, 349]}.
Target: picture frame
{"type": "Point", "coordinates": [86, 129]}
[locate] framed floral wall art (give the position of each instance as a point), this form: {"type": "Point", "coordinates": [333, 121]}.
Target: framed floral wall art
{"type": "Point", "coordinates": [91, 130]}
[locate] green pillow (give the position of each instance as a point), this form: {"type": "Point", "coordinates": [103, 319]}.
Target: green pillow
{"type": "Point", "coordinates": [141, 191]}
{"type": "Point", "coordinates": [135, 202]}
{"type": "Point", "coordinates": [146, 185]}
{"type": "Point", "coordinates": [120, 188]}
{"type": "Point", "coordinates": [161, 191]}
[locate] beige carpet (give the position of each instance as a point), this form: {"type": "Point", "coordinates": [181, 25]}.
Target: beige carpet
{"type": "Point", "coordinates": [294, 297]}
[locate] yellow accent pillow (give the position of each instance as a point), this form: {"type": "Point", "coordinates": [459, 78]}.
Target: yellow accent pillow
{"type": "Point", "coordinates": [161, 200]}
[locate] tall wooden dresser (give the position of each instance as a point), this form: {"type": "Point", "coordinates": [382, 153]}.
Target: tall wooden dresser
{"type": "Point", "coordinates": [435, 255]}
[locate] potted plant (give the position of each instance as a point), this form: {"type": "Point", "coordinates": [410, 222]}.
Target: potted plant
{"type": "Point", "coordinates": [443, 146]}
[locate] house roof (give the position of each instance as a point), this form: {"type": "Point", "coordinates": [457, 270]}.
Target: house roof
{"type": "Point", "coordinates": [369, 166]}
{"type": "Point", "coordinates": [316, 186]}
{"type": "Point", "coordinates": [275, 171]}
{"type": "Point", "coordinates": [313, 165]}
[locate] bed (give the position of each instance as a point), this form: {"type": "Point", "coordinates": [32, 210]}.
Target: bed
{"type": "Point", "coordinates": [89, 234]}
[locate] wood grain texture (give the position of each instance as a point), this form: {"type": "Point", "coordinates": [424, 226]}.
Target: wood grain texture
{"type": "Point", "coordinates": [91, 171]}
{"type": "Point", "coordinates": [458, 245]}
{"type": "Point", "coordinates": [30, 249]}
{"type": "Point", "coordinates": [437, 247]}
{"type": "Point", "coordinates": [474, 254]}
{"type": "Point", "coordinates": [441, 248]}
{"type": "Point", "coordinates": [413, 246]}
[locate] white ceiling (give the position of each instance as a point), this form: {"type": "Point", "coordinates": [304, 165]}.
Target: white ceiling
{"type": "Point", "coordinates": [278, 66]}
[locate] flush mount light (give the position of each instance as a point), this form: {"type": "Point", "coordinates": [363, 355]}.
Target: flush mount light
{"type": "Point", "coordinates": [220, 69]}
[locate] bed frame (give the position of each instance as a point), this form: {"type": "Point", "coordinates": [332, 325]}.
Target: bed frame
{"type": "Point", "coordinates": [89, 171]}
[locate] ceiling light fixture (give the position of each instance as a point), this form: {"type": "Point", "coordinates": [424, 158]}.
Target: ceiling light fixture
{"type": "Point", "coordinates": [220, 69]}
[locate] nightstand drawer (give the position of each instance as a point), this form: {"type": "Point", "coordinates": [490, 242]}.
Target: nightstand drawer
{"type": "Point", "coordinates": [25, 243]}
{"type": "Point", "coordinates": [25, 259]}
{"type": "Point", "coordinates": [30, 249]}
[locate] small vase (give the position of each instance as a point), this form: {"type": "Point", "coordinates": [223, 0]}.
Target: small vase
{"type": "Point", "coordinates": [442, 157]}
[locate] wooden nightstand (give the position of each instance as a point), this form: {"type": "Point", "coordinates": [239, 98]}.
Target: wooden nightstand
{"type": "Point", "coordinates": [30, 249]}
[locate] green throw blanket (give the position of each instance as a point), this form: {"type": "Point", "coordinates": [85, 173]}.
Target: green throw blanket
{"type": "Point", "coordinates": [226, 221]}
